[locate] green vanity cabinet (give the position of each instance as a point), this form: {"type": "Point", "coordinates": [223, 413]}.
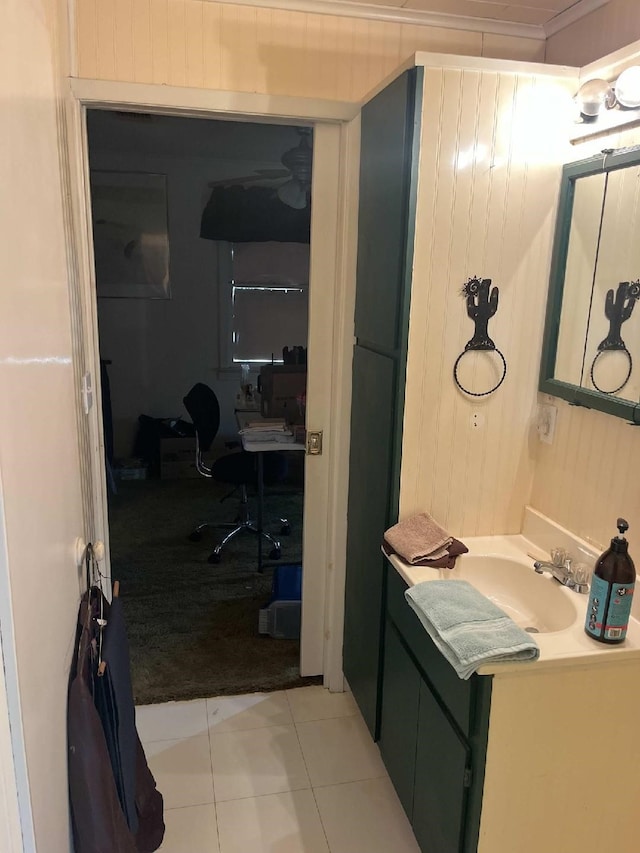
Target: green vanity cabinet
{"type": "Point", "coordinates": [388, 187]}
{"type": "Point", "coordinates": [433, 731]}
{"type": "Point", "coordinates": [399, 716]}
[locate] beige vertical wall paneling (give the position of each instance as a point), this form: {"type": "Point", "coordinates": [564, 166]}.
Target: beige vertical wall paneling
{"type": "Point", "coordinates": [211, 16]}
{"type": "Point", "coordinates": [589, 475]}
{"type": "Point", "coordinates": [123, 39]}
{"type": "Point", "coordinates": [441, 40]}
{"type": "Point", "coordinates": [176, 41]}
{"type": "Point", "coordinates": [159, 41]}
{"type": "Point", "coordinates": [106, 33]}
{"type": "Point", "coordinates": [251, 49]}
{"type": "Point", "coordinates": [489, 176]}
{"type": "Point", "coordinates": [512, 47]}
{"type": "Point", "coordinates": [194, 20]}
{"type": "Point", "coordinates": [86, 20]}
{"type": "Point", "coordinates": [141, 33]}
{"type": "Point", "coordinates": [612, 26]}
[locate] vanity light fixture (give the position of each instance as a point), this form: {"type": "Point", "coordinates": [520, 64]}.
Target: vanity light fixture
{"type": "Point", "coordinates": [597, 96]}
{"type": "Point", "coordinates": [593, 97]}
{"type": "Point", "coordinates": [627, 88]}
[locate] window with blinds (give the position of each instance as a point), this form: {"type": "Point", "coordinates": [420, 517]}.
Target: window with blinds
{"type": "Point", "coordinates": [267, 318]}
{"type": "Point", "coordinates": [264, 301]}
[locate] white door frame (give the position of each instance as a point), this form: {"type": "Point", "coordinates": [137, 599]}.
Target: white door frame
{"type": "Point", "coordinates": [332, 298]}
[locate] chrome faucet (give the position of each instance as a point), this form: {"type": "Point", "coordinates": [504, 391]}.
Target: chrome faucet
{"type": "Point", "coordinates": [561, 569]}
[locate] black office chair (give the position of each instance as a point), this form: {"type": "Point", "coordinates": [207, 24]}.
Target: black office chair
{"type": "Point", "coordinates": [237, 469]}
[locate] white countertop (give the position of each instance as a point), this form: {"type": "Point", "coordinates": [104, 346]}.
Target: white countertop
{"type": "Point", "coordinates": [568, 647]}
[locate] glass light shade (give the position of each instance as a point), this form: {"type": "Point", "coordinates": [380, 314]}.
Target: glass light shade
{"type": "Point", "coordinates": [627, 87]}
{"type": "Point", "coordinates": [594, 96]}
{"type": "Point", "coordinates": [293, 194]}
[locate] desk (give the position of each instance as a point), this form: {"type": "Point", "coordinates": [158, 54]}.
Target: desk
{"type": "Point", "coordinates": [262, 447]}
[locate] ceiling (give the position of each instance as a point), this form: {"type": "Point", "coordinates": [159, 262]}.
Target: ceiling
{"type": "Point", "coordinates": [536, 18]}
{"type": "Point", "coordinates": [516, 11]}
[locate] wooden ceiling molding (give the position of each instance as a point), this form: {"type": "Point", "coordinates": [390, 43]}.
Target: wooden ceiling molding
{"type": "Point", "coordinates": [535, 19]}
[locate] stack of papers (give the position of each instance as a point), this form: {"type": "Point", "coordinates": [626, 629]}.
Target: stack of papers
{"type": "Point", "coordinates": [267, 429]}
{"type": "Point", "coordinates": [266, 424]}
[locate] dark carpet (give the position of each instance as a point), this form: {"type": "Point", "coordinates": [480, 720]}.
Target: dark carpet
{"type": "Point", "coordinates": [193, 626]}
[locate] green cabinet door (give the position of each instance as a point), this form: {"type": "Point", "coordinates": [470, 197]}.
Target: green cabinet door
{"type": "Point", "coordinates": [371, 434]}
{"type": "Point", "coordinates": [388, 181]}
{"type": "Point", "coordinates": [442, 774]}
{"type": "Point", "coordinates": [399, 717]}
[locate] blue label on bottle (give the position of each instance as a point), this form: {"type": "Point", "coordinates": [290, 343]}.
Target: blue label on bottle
{"type": "Point", "coordinates": [609, 623]}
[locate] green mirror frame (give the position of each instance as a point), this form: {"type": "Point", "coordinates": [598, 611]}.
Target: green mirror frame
{"type": "Point", "coordinates": [608, 161]}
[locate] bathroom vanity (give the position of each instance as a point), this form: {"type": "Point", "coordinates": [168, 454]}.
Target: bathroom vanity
{"type": "Point", "coordinates": [461, 163]}
{"type": "Point", "coordinates": [433, 731]}
{"type": "Point", "coordinates": [535, 756]}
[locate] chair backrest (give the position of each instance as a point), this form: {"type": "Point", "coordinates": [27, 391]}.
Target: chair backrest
{"type": "Point", "coordinates": [204, 410]}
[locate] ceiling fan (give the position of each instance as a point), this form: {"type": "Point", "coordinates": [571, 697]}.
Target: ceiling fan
{"type": "Point", "coordinates": [295, 189]}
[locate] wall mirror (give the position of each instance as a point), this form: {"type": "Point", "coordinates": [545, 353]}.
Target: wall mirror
{"type": "Point", "coordinates": [591, 347]}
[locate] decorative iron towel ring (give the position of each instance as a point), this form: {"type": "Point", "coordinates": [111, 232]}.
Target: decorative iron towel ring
{"type": "Point", "coordinates": [481, 306]}
{"type": "Point", "coordinates": [617, 311]}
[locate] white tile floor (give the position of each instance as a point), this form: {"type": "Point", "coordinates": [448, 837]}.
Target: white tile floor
{"type": "Point", "coordinates": [288, 772]}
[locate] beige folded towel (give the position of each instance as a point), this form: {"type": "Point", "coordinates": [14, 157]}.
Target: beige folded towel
{"type": "Point", "coordinates": [418, 537]}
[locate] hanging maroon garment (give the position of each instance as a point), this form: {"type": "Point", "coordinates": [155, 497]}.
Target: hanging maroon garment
{"type": "Point", "coordinates": [99, 822]}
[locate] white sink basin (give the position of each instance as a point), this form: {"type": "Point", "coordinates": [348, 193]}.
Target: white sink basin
{"type": "Point", "coordinates": [500, 567]}
{"type": "Point", "coordinates": [533, 601]}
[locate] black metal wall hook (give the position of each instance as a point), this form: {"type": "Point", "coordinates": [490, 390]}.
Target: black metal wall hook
{"type": "Point", "coordinates": [90, 564]}
{"type": "Point", "coordinates": [480, 308]}
{"type": "Point", "coordinates": [482, 303]}
{"type": "Point", "coordinates": [617, 310]}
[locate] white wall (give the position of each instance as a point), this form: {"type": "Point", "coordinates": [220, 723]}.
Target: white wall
{"type": "Point", "coordinates": [39, 462]}
{"type": "Point", "coordinates": [255, 49]}
{"type": "Point", "coordinates": [588, 476]}
{"type": "Point", "coordinates": [608, 28]}
{"type": "Point", "coordinates": [493, 142]}
{"type": "Point", "coordinates": [160, 348]}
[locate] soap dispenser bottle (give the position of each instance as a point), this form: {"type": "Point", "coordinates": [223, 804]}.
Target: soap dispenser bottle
{"type": "Point", "coordinates": [612, 587]}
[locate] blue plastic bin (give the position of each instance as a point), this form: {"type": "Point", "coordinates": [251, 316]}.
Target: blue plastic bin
{"type": "Point", "coordinates": [281, 617]}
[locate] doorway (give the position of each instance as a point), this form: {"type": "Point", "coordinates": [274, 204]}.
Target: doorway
{"type": "Point", "coordinates": [201, 244]}
{"type": "Point", "coordinates": [336, 146]}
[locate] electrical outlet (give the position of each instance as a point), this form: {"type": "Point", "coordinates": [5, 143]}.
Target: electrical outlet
{"type": "Point", "coordinates": [546, 422]}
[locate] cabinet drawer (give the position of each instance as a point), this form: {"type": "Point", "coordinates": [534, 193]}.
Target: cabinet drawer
{"type": "Point", "coordinates": [455, 694]}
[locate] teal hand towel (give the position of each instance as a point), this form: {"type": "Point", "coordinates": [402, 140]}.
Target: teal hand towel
{"type": "Point", "coordinates": [468, 629]}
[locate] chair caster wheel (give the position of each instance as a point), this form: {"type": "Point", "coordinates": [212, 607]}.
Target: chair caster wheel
{"type": "Point", "coordinates": [214, 558]}
{"type": "Point", "coordinates": [275, 554]}
{"type": "Point", "coordinates": [285, 530]}
{"type": "Point", "coordinates": [196, 536]}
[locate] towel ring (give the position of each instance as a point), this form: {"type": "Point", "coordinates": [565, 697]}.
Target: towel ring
{"type": "Point", "coordinates": [627, 377]}
{"type": "Point", "coordinates": [480, 393]}
{"type": "Point", "coordinates": [482, 304]}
